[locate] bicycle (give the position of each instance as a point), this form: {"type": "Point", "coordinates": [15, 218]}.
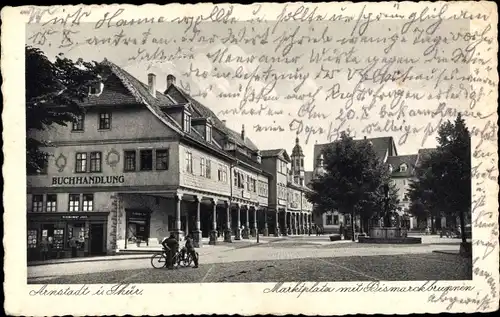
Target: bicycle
{"type": "Point", "coordinates": [180, 259]}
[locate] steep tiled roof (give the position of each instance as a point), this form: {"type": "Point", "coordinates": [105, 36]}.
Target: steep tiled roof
{"type": "Point", "coordinates": [424, 153]}
{"type": "Point", "coordinates": [141, 95]}
{"type": "Point", "coordinates": [205, 112]}
{"type": "Point", "coordinates": [396, 161]}
{"type": "Point", "coordinates": [275, 152]}
{"type": "Point", "coordinates": [383, 146]}
{"type": "Point", "coordinates": [271, 153]}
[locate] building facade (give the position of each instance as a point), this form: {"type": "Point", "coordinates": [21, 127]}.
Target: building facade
{"type": "Point", "coordinates": [402, 170]}
{"type": "Point", "coordinates": [141, 164]}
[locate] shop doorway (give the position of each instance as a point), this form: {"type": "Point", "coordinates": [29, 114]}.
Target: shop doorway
{"type": "Point", "coordinates": [96, 239]}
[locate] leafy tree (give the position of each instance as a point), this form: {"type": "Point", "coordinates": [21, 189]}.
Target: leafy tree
{"type": "Point", "coordinates": [352, 181]}
{"type": "Point", "coordinates": [424, 203]}
{"type": "Point", "coordinates": [444, 178]}
{"type": "Point", "coordinates": [54, 92]}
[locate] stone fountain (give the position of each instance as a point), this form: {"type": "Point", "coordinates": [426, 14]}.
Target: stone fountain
{"type": "Point", "coordinates": [386, 231]}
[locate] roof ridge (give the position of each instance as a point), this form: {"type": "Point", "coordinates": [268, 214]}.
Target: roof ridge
{"type": "Point", "coordinates": [121, 74]}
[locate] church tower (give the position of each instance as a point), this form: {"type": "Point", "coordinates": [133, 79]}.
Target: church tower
{"type": "Point", "coordinates": [297, 158]}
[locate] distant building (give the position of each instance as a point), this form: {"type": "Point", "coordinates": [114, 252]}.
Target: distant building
{"type": "Point", "coordinates": [402, 173]}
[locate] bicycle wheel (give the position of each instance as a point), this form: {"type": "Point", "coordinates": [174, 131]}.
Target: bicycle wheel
{"type": "Point", "coordinates": [158, 260]}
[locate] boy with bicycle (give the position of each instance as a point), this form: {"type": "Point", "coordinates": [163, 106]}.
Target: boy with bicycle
{"type": "Point", "coordinates": [189, 246]}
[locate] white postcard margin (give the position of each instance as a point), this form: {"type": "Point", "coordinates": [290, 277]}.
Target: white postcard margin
{"type": "Point", "coordinates": [222, 298]}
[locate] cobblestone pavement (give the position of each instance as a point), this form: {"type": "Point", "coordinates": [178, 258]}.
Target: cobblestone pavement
{"type": "Point", "coordinates": [410, 261]}
{"type": "Point", "coordinates": [427, 266]}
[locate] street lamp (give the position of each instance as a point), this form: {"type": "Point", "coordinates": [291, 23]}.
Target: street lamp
{"type": "Point", "coordinates": [387, 220]}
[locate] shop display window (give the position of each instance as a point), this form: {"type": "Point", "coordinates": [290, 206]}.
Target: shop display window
{"type": "Point", "coordinates": [32, 239]}
{"type": "Point", "coordinates": [58, 241]}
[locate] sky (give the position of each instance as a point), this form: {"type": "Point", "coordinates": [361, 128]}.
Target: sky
{"type": "Point", "coordinates": [321, 90]}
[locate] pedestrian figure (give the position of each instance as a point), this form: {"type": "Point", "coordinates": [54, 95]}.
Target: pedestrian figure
{"type": "Point", "coordinates": [191, 251]}
{"type": "Point", "coordinates": [44, 248]}
{"type": "Point", "coordinates": [171, 246]}
{"type": "Point", "coordinates": [73, 246]}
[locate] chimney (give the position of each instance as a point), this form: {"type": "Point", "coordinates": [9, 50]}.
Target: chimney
{"type": "Point", "coordinates": [224, 122]}
{"type": "Point", "coordinates": [152, 84]}
{"type": "Point", "coordinates": [170, 80]}
{"type": "Point", "coordinates": [365, 137]}
{"type": "Point", "coordinates": [243, 132]}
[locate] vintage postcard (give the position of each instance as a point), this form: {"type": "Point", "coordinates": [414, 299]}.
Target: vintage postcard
{"type": "Point", "coordinates": [271, 158]}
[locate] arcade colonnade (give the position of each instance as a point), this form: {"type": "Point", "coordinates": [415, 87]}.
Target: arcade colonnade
{"type": "Point", "coordinates": [237, 219]}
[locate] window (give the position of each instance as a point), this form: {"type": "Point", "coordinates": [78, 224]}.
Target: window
{"type": "Point", "coordinates": [78, 123]}
{"type": "Point", "coordinates": [51, 204]}
{"type": "Point", "coordinates": [96, 89]}
{"type": "Point", "coordinates": [208, 173]}
{"type": "Point", "coordinates": [208, 133]}
{"type": "Point", "coordinates": [335, 219]}
{"type": "Point", "coordinates": [248, 182]}
{"type": "Point", "coordinates": [74, 202]}
{"type": "Point", "coordinates": [129, 162]}
{"type": "Point", "coordinates": [203, 167]}
{"type": "Point", "coordinates": [301, 162]}
{"type": "Point", "coordinates": [104, 120]}
{"type": "Point", "coordinates": [189, 162]}
{"type": "Point", "coordinates": [403, 167]}
{"type": "Point", "coordinates": [146, 157]}
{"type": "Point", "coordinates": [81, 162]}
{"type": "Point", "coordinates": [222, 173]}
{"type": "Point", "coordinates": [187, 122]}
{"type": "Point", "coordinates": [254, 185]}
{"type": "Point", "coordinates": [239, 180]}
{"type": "Point", "coordinates": [162, 159]}
{"type": "Point", "coordinates": [88, 202]}
{"type": "Point", "coordinates": [95, 162]}
{"type": "Point", "coordinates": [329, 220]}
{"type": "Point", "coordinates": [37, 203]}
{"type": "Point", "coordinates": [282, 167]}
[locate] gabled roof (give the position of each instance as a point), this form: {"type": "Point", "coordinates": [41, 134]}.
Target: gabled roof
{"type": "Point", "coordinates": [275, 153]}
{"type": "Point", "coordinates": [397, 161]}
{"type": "Point", "coordinates": [383, 146]}
{"type": "Point", "coordinates": [141, 95]}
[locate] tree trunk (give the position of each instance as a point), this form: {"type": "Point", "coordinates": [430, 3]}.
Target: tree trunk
{"type": "Point", "coordinates": [352, 225]}
{"type": "Point", "coordinates": [433, 230]}
{"type": "Point", "coordinates": [462, 225]}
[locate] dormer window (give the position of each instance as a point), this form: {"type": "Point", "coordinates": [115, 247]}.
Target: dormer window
{"type": "Point", "coordinates": [96, 89]}
{"type": "Point", "coordinates": [187, 122]}
{"type": "Point", "coordinates": [403, 167]}
{"type": "Point", "coordinates": [208, 133]}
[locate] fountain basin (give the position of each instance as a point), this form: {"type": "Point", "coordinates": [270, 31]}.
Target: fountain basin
{"type": "Point", "coordinates": [389, 235]}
